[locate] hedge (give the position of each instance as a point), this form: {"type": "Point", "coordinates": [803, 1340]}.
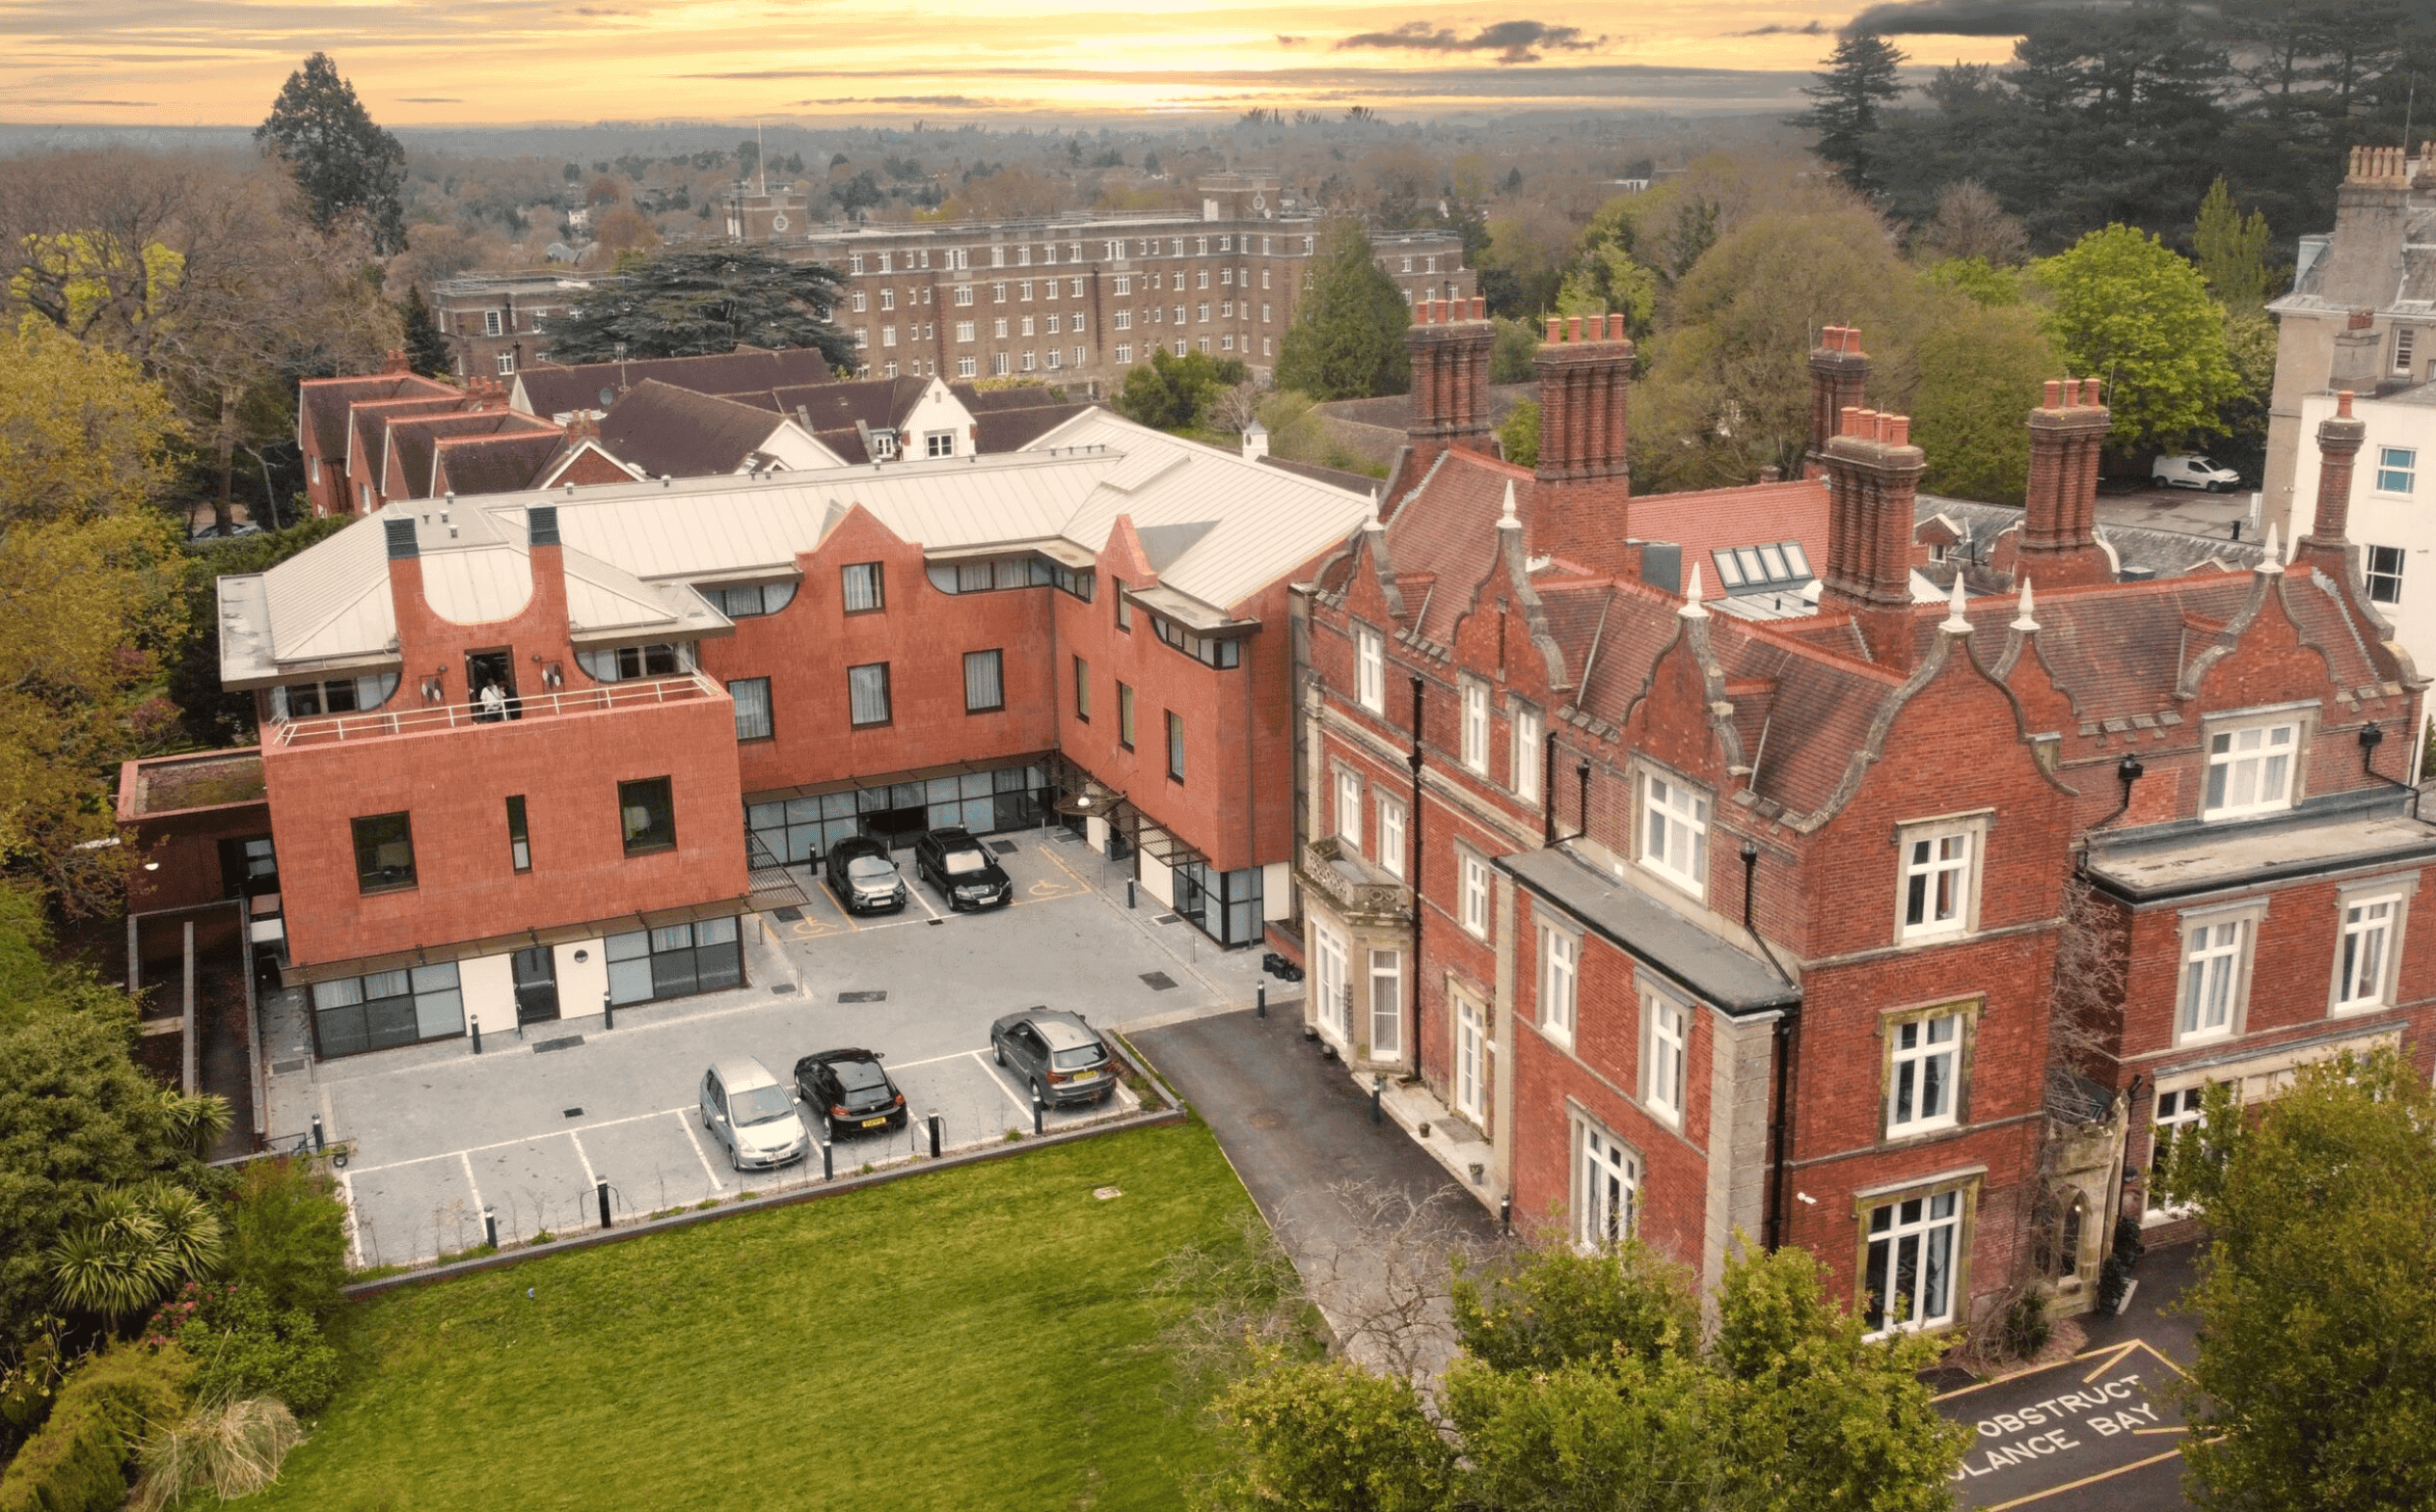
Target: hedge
{"type": "Point", "coordinates": [76, 1461]}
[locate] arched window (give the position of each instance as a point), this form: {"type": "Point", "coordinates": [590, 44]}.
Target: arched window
{"type": "Point", "coordinates": [2067, 1259]}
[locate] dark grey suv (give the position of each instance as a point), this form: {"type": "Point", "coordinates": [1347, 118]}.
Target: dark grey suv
{"type": "Point", "coordinates": [1061, 1058]}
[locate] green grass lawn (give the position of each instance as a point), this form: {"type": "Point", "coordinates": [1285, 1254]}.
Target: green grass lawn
{"type": "Point", "coordinates": [971, 1340]}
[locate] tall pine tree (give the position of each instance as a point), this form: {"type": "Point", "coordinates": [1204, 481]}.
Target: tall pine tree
{"type": "Point", "coordinates": [1861, 77]}
{"type": "Point", "coordinates": [1348, 339]}
{"type": "Point", "coordinates": [340, 158]}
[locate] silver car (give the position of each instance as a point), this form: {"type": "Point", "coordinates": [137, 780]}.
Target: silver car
{"type": "Point", "coordinates": [753, 1114]}
{"type": "Point", "coordinates": [1061, 1058]}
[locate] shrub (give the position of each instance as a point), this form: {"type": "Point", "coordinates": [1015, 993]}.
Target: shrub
{"type": "Point", "coordinates": [287, 1236]}
{"type": "Point", "coordinates": [77, 1461]}
{"type": "Point", "coordinates": [243, 1347]}
{"type": "Point", "coordinates": [2026, 1326]}
{"type": "Point", "coordinates": [231, 1449]}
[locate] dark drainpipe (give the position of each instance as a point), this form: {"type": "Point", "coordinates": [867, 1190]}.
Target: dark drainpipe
{"type": "Point", "coordinates": [2128, 771]}
{"type": "Point", "coordinates": [1548, 791]}
{"type": "Point", "coordinates": [1415, 762]}
{"type": "Point", "coordinates": [1781, 1121]}
{"type": "Point", "coordinates": [1582, 804]}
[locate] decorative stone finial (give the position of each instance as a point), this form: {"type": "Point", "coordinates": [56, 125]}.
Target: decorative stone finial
{"type": "Point", "coordinates": [1957, 623]}
{"type": "Point", "coordinates": [2271, 557]}
{"type": "Point", "coordinates": [1692, 608]}
{"type": "Point", "coordinates": [2024, 621]}
{"type": "Point", "coordinates": [1506, 519]}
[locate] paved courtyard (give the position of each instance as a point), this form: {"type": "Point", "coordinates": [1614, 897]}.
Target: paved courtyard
{"type": "Point", "coordinates": [438, 1134]}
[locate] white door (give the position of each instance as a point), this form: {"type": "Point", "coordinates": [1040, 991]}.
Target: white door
{"type": "Point", "coordinates": [1472, 1053]}
{"type": "Point", "coordinates": [1328, 980]}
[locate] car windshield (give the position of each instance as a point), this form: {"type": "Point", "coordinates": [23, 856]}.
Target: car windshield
{"type": "Point", "coordinates": [870, 866]}
{"type": "Point", "coordinates": [1080, 1055]}
{"type": "Point", "coordinates": [761, 1105]}
{"type": "Point", "coordinates": [963, 863]}
{"type": "Point", "coordinates": [858, 1075]}
{"type": "Point", "coordinates": [2205, 463]}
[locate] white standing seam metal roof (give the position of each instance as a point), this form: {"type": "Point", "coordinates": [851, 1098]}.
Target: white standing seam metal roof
{"type": "Point", "coordinates": [1233, 526]}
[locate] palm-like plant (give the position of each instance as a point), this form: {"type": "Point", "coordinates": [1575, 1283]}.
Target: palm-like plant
{"type": "Point", "coordinates": [195, 1121]}
{"type": "Point", "coordinates": [134, 1247]}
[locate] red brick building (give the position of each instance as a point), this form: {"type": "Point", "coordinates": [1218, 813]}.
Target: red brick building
{"type": "Point", "coordinates": [1892, 929]}
{"type": "Point", "coordinates": [523, 753]}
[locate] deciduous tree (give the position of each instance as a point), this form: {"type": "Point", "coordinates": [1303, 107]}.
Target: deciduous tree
{"type": "Point", "coordinates": [2314, 1389]}
{"type": "Point", "coordinates": [2130, 310]}
{"type": "Point", "coordinates": [1348, 339]}
{"type": "Point", "coordinates": [342, 159]}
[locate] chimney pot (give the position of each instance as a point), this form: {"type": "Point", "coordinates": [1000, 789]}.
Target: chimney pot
{"type": "Point", "coordinates": [1615, 325]}
{"type": "Point", "coordinates": [1556, 330]}
{"type": "Point", "coordinates": [1851, 424]}
{"type": "Point", "coordinates": [2056, 393]}
{"type": "Point", "coordinates": [2090, 394]}
{"type": "Point", "coordinates": [2342, 404]}
{"type": "Point", "coordinates": [1479, 307]}
{"type": "Point", "coordinates": [1573, 328]}
{"type": "Point", "coordinates": [2362, 319]}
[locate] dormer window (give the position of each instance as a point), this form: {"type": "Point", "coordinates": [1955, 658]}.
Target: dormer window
{"type": "Point", "coordinates": [1370, 668]}
{"type": "Point", "coordinates": [1675, 831]}
{"type": "Point", "coordinates": [883, 445]}
{"type": "Point", "coordinates": [2251, 768]}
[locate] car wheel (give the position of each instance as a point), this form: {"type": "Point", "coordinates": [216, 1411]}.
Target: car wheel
{"type": "Point", "coordinates": [998, 1050]}
{"type": "Point", "coordinates": [1037, 1095]}
{"type": "Point", "coordinates": [735, 1162]}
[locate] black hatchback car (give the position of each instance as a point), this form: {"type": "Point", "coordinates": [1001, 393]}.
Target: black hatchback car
{"type": "Point", "coordinates": [862, 875]}
{"type": "Point", "coordinates": [850, 1090]}
{"type": "Point", "coordinates": [1061, 1058]}
{"type": "Point", "coordinates": [962, 869]}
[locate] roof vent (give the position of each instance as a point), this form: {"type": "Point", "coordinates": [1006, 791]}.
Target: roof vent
{"type": "Point", "coordinates": [401, 539]}
{"type": "Point", "coordinates": [541, 525]}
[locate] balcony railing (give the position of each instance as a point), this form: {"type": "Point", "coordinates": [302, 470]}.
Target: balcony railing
{"type": "Point", "coordinates": [547, 703]}
{"type": "Point", "coordinates": [1359, 891]}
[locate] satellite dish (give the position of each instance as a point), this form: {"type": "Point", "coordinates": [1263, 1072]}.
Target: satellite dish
{"type": "Point", "coordinates": [608, 396]}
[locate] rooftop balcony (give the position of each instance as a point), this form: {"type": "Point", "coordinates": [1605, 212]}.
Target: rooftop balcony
{"type": "Point", "coordinates": [429, 719]}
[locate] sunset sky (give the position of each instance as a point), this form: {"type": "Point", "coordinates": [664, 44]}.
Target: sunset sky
{"type": "Point", "coordinates": [446, 62]}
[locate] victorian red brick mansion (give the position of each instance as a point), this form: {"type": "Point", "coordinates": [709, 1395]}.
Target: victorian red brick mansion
{"type": "Point", "coordinates": [1900, 913]}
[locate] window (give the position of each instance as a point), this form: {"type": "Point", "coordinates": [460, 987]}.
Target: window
{"type": "Point", "coordinates": [648, 816]}
{"type": "Point", "coordinates": [752, 600]}
{"type": "Point", "coordinates": [1387, 1002]}
{"type": "Point", "coordinates": [1028, 326]}
{"type": "Point", "coordinates": [867, 694]}
{"type": "Point", "coordinates": [2215, 973]}
{"type": "Point", "coordinates": [1473, 905]}
{"type": "Point", "coordinates": [887, 299]}
{"type": "Point", "coordinates": [2397, 468]}
{"type": "Point", "coordinates": [963, 331]}
{"type": "Point", "coordinates": [624, 664]}
{"type": "Point", "coordinates": [1938, 866]}
{"type": "Point", "coordinates": [1472, 1062]}
{"type": "Point", "coordinates": [1124, 284]}
{"type": "Point", "coordinates": [1024, 290]}
{"type": "Point", "coordinates": [490, 322]}
{"type": "Point", "coordinates": [863, 588]}
{"type": "Point", "coordinates": [2250, 769]}
{"type": "Point", "coordinates": [1924, 1070]}
{"type": "Point", "coordinates": [1264, 304]}
{"type": "Point", "coordinates": [506, 363]}
{"type": "Point", "coordinates": [1057, 323]}
{"type": "Point", "coordinates": [1675, 833]}
{"type": "Point", "coordinates": [2403, 336]}
{"type": "Point", "coordinates": [1175, 746]}
{"type": "Point", "coordinates": [863, 338]}
{"type": "Point", "coordinates": [938, 444]}
{"type": "Point", "coordinates": [1559, 974]}
{"type": "Point", "coordinates": [998, 364]}
{"type": "Point", "coordinates": [1349, 809]}
{"type": "Point", "coordinates": [985, 685]}
{"type": "Point", "coordinates": [1334, 993]}
{"type": "Point", "coordinates": [520, 847]}
{"type": "Point", "coordinates": [752, 708]}
{"type": "Point", "coordinates": [1124, 611]}
{"type": "Point", "coordinates": [2178, 1111]}
{"type": "Point", "coordinates": [1606, 1181]}
{"type": "Point", "coordinates": [2385, 573]}
{"type": "Point", "coordinates": [1124, 715]}
{"type": "Point", "coordinates": [676, 960]}
{"type": "Point", "coordinates": [1208, 649]}
{"type": "Point", "coordinates": [1527, 755]}
{"type": "Point", "coordinates": [1913, 1245]}
{"type": "Point", "coordinates": [967, 367]}
{"type": "Point", "coordinates": [998, 327]}
{"type": "Point", "coordinates": [963, 293]}
{"type": "Point", "coordinates": [1665, 1054]}
{"type": "Point", "coordinates": [1029, 361]}
{"type": "Point", "coordinates": [854, 262]}
{"type": "Point", "coordinates": [1125, 351]}
{"type": "Point", "coordinates": [2364, 965]}
{"type": "Point", "coordinates": [353, 1014]}
{"type": "Point", "coordinates": [1391, 855]}
{"type": "Point", "coordinates": [383, 853]}
{"type": "Point", "coordinates": [1475, 725]}
{"type": "Point", "coordinates": [1125, 319]}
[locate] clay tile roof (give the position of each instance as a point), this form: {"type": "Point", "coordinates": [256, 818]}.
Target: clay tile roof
{"type": "Point", "coordinates": [673, 432]}
{"type": "Point", "coordinates": [411, 442]}
{"type": "Point", "coordinates": [559, 390]}
{"type": "Point", "coordinates": [1447, 530]}
{"type": "Point", "coordinates": [1574, 612]}
{"type": "Point", "coordinates": [325, 401]}
{"type": "Point", "coordinates": [496, 464]}
{"type": "Point", "coordinates": [1013, 429]}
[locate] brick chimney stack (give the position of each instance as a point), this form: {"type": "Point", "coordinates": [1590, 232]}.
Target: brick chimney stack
{"type": "Point", "coordinates": [2059, 518]}
{"type": "Point", "coordinates": [394, 361]}
{"type": "Point", "coordinates": [1579, 502]}
{"type": "Point", "coordinates": [1839, 371]}
{"type": "Point", "coordinates": [2339, 437]}
{"type": "Point", "coordinates": [1873, 471]}
{"type": "Point", "coordinates": [1450, 342]}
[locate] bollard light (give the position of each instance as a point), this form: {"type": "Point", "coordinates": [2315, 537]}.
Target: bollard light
{"type": "Point", "coordinates": [1261, 1001]}
{"type": "Point", "coordinates": [934, 1136]}
{"type": "Point", "coordinates": [1128, 892]}
{"type": "Point", "coordinates": [477, 1036]}
{"type": "Point", "coordinates": [318, 1134]}
{"type": "Point", "coordinates": [1035, 1114]}
{"type": "Point", "coordinates": [489, 1227]}
{"type": "Point", "coordinates": [608, 1013]}
{"type": "Point", "coordinates": [603, 1190]}
{"type": "Point", "coordinates": [1505, 1214]}
{"type": "Point", "coordinates": [828, 1161]}
{"type": "Point", "coordinates": [1378, 1090]}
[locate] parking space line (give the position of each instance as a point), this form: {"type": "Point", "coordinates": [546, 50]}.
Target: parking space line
{"type": "Point", "coordinates": [590, 1181]}
{"type": "Point", "coordinates": [829, 896]}
{"type": "Point", "coordinates": [914, 890]}
{"type": "Point", "coordinates": [695, 1140]}
{"type": "Point", "coordinates": [993, 1071]}
{"type": "Point", "coordinates": [477, 1186]}
{"type": "Point", "coordinates": [524, 1139]}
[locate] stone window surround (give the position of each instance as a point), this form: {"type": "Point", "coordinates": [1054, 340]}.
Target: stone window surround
{"type": "Point", "coordinates": [2401, 887]}
{"type": "Point", "coordinates": [1977, 822]}
{"type": "Point", "coordinates": [1966, 1044]}
{"type": "Point", "coordinates": [2251, 913]}
{"type": "Point", "coordinates": [1968, 1181]}
{"type": "Point", "coordinates": [2303, 715]}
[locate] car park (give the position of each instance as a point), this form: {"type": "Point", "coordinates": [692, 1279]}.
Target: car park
{"type": "Point", "coordinates": [962, 870]}
{"type": "Point", "coordinates": [1058, 1056]}
{"type": "Point", "coordinates": [751, 1113]}
{"type": "Point", "coordinates": [863, 876]}
{"type": "Point", "coordinates": [2190, 469]}
{"type": "Point", "coordinates": [850, 1090]}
